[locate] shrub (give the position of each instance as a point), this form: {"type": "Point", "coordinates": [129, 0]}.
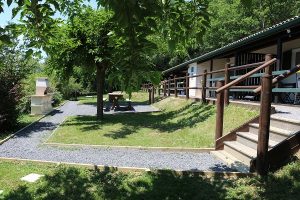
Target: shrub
{"type": "Point", "coordinates": [57, 98]}
{"type": "Point", "coordinates": [71, 90]}
{"type": "Point", "coordinates": [10, 95]}
{"type": "Point", "coordinates": [14, 66]}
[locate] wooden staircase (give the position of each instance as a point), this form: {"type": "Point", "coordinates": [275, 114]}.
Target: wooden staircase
{"type": "Point", "coordinates": [240, 152]}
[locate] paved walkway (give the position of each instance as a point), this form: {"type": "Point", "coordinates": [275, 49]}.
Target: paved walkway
{"type": "Point", "coordinates": [285, 111]}
{"type": "Point", "coordinates": [28, 145]}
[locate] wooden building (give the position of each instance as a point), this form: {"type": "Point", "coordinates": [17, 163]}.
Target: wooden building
{"type": "Point", "coordinates": [281, 40]}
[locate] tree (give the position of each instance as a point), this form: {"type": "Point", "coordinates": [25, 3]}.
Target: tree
{"type": "Point", "coordinates": [231, 20]}
{"type": "Point", "coordinates": [84, 41]}
{"type": "Point", "coordinates": [136, 21]}
{"type": "Point", "coordinates": [36, 17]}
{"type": "Point", "coordinates": [180, 23]}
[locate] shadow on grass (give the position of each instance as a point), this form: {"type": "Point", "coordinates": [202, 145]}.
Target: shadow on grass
{"type": "Point", "coordinates": [167, 122]}
{"type": "Point", "coordinates": [77, 184]}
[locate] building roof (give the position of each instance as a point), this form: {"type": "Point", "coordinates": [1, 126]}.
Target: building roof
{"type": "Point", "coordinates": [277, 28]}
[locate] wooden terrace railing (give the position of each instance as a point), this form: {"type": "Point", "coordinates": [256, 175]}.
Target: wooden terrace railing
{"type": "Point", "coordinates": [224, 85]}
{"type": "Point", "coordinates": [262, 163]}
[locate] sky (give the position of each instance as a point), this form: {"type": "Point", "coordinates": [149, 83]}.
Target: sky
{"type": "Point", "coordinates": [6, 16]}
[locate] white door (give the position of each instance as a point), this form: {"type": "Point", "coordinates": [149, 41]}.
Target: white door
{"type": "Point", "coordinates": [192, 82]}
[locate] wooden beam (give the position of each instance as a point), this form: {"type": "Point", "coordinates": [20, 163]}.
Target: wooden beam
{"type": "Point", "coordinates": [227, 80]}
{"type": "Point", "coordinates": [264, 121]}
{"type": "Point", "coordinates": [220, 113]}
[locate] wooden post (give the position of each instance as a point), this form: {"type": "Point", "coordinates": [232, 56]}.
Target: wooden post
{"type": "Point", "coordinates": [204, 80]}
{"type": "Point", "coordinates": [211, 76]}
{"type": "Point", "coordinates": [220, 112]}
{"type": "Point", "coordinates": [175, 86]}
{"type": "Point", "coordinates": [278, 64]}
{"type": "Point", "coordinates": [169, 87]}
{"type": "Point", "coordinates": [149, 91]}
{"type": "Point", "coordinates": [152, 94]}
{"type": "Point", "coordinates": [262, 166]}
{"type": "Point", "coordinates": [187, 85]}
{"type": "Point", "coordinates": [227, 80]}
{"type": "Point", "coordinates": [165, 88]}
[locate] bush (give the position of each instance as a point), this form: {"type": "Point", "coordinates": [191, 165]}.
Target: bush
{"type": "Point", "coordinates": [14, 67]}
{"type": "Point", "coordinates": [71, 90]}
{"type": "Point", "coordinates": [10, 95]}
{"type": "Point", "coordinates": [57, 98]}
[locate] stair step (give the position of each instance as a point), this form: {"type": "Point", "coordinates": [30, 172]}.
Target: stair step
{"type": "Point", "coordinates": [276, 134]}
{"type": "Point", "coordinates": [250, 139]}
{"type": "Point", "coordinates": [242, 152]}
{"type": "Point", "coordinates": [285, 123]}
{"type": "Point", "coordinates": [231, 161]}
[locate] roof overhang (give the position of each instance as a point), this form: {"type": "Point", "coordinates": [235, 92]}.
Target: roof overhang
{"type": "Point", "coordinates": [257, 37]}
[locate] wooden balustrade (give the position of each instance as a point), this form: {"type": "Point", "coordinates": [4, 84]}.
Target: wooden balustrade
{"type": "Point", "coordinates": [170, 85]}
{"type": "Point", "coordinates": [247, 75]}
{"type": "Point", "coordinates": [222, 90]}
{"type": "Point", "coordinates": [265, 110]}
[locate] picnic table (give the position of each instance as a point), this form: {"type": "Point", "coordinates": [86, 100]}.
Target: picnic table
{"type": "Point", "coordinates": [114, 99]}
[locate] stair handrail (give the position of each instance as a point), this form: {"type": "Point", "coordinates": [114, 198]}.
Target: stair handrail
{"type": "Point", "coordinates": [245, 76]}
{"type": "Point", "coordinates": [281, 77]}
{"type": "Point", "coordinates": [265, 111]}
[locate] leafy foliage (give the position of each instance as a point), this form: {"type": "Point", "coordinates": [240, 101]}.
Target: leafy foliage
{"type": "Point", "coordinates": [231, 20]}
{"type": "Point", "coordinates": [14, 66]}
{"type": "Point", "coordinates": [62, 182]}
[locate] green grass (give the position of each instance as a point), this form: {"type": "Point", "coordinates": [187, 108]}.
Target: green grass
{"type": "Point", "coordinates": [182, 123]}
{"type": "Point", "coordinates": [68, 183]}
{"type": "Point", "coordinates": [23, 120]}
{"type": "Point", "coordinates": [137, 97]}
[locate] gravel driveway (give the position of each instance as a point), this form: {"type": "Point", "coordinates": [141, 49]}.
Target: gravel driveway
{"type": "Point", "coordinates": [28, 145]}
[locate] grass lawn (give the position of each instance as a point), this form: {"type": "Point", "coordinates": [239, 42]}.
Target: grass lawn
{"type": "Point", "coordinates": [23, 120]}
{"type": "Point", "coordinates": [137, 97]}
{"type": "Point", "coordinates": [78, 183]}
{"type": "Point", "coordinates": [182, 123]}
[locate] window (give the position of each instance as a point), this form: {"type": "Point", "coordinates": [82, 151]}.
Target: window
{"type": "Point", "coordinates": [192, 69]}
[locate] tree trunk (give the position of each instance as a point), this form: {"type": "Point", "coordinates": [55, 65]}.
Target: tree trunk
{"type": "Point", "coordinates": [100, 74]}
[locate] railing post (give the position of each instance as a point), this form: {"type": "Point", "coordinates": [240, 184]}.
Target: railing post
{"type": "Point", "coordinates": [220, 112]}
{"type": "Point", "coordinates": [175, 86]}
{"type": "Point", "coordinates": [227, 80]}
{"type": "Point", "coordinates": [165, 88]}
{"type": "Point", "coordinates": [187, 85]}
{"type": "Point", "coordinates": [262, 166]}
{"type": "Point", "coordinates": [152, 94]}
{"type": "Point", "coordinates": [204, 80]}
{"type": "Point", "coordinates": [169, 87]}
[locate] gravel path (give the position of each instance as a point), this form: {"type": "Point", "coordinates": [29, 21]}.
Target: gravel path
{"type": "Point", "coordinates": [28, 145]}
